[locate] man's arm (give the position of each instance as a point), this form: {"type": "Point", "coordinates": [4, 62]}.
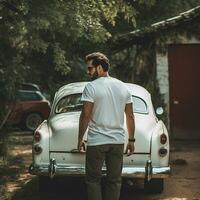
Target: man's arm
{"type": "Point", "coordinates": [130, 122]}
{"type": "Point", "coordinates": [83, 121]}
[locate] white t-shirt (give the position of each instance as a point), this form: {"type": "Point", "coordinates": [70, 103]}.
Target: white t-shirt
{"type": "Point", "coordinates": [109, 96]}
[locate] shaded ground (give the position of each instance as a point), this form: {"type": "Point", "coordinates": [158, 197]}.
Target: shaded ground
{"type": "Point", "coordinates": [14, 170]}
{"type": "Point", "coordinates": [17, 184]}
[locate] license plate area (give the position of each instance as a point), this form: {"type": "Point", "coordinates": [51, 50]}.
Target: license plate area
{"type": "Point", "coordinates": [68, 158]}
{"type": "Point", "coordinates": [77, 158]}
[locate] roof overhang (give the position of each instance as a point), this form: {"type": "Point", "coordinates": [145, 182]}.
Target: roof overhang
{"type": "Point", "coordinates": [139, 36]}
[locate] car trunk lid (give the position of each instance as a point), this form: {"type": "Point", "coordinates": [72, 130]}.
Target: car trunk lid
{"type": "Point", "coordinates": [64, 132]}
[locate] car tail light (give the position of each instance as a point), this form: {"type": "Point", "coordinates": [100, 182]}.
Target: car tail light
{"type": "Point", "coordinates": [162, 152]}
{"type": "Point", "coordinates": [37, 149]}
{"type": "Point", "coordinates": [37, 136]}
{"type": "Point", "coordinates": [163, 139]}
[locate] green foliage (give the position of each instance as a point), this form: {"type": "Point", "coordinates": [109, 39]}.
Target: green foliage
{"type": "Point", "coordinates": [50, 35]}
{"type": "Point", "coordinates": [45, 42]}
{"type": "Point", "coordinates": [60, 62]}
{"type": "Point", "coordinates": [124, 60]}
{"type": "Point", "coordinates": [161, 10]}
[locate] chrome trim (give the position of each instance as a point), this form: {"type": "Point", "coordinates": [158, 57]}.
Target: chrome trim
{"type": "Point", "coordinates": [52, 168]}
{"type": "Point", "coordinates": [148, 170]}
{"type": "Point", "coordinates": [127, 171]}
{"type": "Point", "coordinates": [75, 151]}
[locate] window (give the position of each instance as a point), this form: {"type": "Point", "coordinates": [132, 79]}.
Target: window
{"type": "Point", "coordinates": [29, 96]}
{"type": "Point", "coordinates": [139, 105]}
{"type": "Point", "coordinates": [69, 103]}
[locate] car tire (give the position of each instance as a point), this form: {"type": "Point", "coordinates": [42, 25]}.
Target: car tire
{"type": "Point", "coordinates": [32, 120]}
{"type": "Point", "coordinates": [154, 186]}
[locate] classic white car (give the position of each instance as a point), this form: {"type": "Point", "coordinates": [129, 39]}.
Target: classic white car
{"type": "Point", "coordinates": [55, 140]}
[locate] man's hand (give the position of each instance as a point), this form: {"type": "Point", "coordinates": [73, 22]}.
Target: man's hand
{"type": "Point", "coordinates": [130, 148]}
{"type": "Point", "coordinates": [81, 145]}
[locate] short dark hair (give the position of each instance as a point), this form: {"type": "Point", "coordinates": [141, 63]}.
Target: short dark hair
{"type": "Point", "coordinates": [99, 59]}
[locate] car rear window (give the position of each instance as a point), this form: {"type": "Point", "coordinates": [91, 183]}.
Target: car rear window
{"type": "Point", "coordinates": [29, 96]}
{"type": "Point", "coordinates": [73, 103]}
{"type": "Point", "coordinates": [69, 103]}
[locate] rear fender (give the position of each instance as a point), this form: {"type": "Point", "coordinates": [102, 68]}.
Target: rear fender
{"type": "Point", "coordinates": [156, 159]}
{"type": "Point", "coordinates": [43, 157]}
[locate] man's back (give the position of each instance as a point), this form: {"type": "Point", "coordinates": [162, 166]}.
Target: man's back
{"type": "Point", "coordinates": [105, 101]}
{"type": "Point", "coordinates": [109, 96]}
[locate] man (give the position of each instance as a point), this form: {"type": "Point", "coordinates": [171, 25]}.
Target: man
{"type": "Point", "coordinates": [105, 100]}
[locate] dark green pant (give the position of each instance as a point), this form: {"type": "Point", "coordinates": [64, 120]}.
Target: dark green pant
{"type": "Point", "coordinates": [112, 154]}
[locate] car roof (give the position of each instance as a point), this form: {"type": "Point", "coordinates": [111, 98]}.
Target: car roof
{"type": "Point", "coordinates": [29, 91]}
{"type": "Point", "coordinates": [72, 88]}
{"type": "Point", "coordinates": [78, 87]}
{"type": "Point", "coordinates": [30, 86]}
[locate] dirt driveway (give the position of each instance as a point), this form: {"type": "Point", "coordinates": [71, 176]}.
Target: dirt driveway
{"type": "Point", "coordinates": [17, 184]}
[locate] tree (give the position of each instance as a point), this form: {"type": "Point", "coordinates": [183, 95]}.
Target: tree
{"type": "Point", "coordinates": [68, 30]}
{"type": "Point", "coordinates": [44, 41]}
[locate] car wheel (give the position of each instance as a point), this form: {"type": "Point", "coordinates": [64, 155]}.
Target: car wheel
{"type": "Point", "coordinates": [32, 121]}
{"type": "Point", "coordinates": [154, 185]}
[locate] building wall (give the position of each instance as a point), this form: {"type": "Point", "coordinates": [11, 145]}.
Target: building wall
{"type": "Point", "coordinates": [163, 74]}
{"type": "Point", "coordinates": [163, 80]}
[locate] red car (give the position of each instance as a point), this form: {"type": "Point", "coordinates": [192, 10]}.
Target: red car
{"type": "Point", "coordinates": [29, 109]}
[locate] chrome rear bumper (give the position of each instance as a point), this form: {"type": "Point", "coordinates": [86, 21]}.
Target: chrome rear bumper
{"type": "Point", "coordinates": [146, 172]}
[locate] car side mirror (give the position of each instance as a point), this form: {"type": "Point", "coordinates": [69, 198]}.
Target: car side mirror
{"type": "Point", "coordinates": [159, 111]}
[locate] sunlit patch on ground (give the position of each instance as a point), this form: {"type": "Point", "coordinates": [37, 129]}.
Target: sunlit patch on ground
{"type": "Point", "coordinates": [14, 185]}
{"type": "Point", "coordinates": [175, 198]}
